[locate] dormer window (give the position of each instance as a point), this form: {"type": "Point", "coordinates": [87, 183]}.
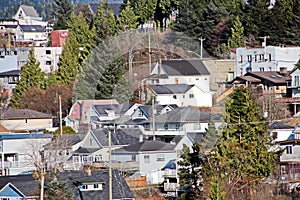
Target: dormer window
{"type": "Point", "coordinates": [90, 187]}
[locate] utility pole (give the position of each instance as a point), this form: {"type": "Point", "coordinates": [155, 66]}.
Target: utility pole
{"type": "Point", "coordinates": [60, 115]}
{"type": "Point", "coordinates": [109, 168]}
{"type": "Point", "coordinates": [201, 46]}
{"type": "Point", "coordinates": [153, 116]}
{"type": "Point", "coordinates": [149, 50]}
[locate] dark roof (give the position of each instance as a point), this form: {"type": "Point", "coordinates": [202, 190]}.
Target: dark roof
{"type": "Point", "coordinates": [24, 183]}
{"type": "Point", "coordinates": [147, 109]}
{"type": "Point", "coordinates": [66, 140]}
{"type": "Point", "coordinates": [277, 125]}
{"type": "Point", "coordinates": [170, 165]}
{"type": "Point", "coordinates": [33, 28]}
{"type": "Point", "coordinates": [186, 114]}
{"type": "Point", "coordinates": [196, 137]}
{"type": "Point", "coordinates": [120, 189]}
{"type": "Point", "coordinates": [9, 25]}
{"type": "Point", "coordinates": [86, 150]}
{"type": "Point", "coordinates": [116, 8]}
{"type": "Point", "coordinates": [118, 108]}
{"type": "Point", "coordinates": [146, 145]}
{"type": "Point", "coordinates": [11, 73]}
{"type": "Point", "coordinates": [271, 76]}
{"type": "Point", "coordinates": [29, 11]}
{"type": "Point", "coordinates": [14, 113]}
{"type": "Point", "coordinates": [245, 78]}
{"type": "Point", "coordinates": [124, 136]}
{"type": "Point", "coordinates": [184, 67]}
{"type": "Point", "coordinates": [171, 88]}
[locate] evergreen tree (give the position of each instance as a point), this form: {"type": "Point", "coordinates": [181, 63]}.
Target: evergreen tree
{"type": "Point", "coordinates": [237, 34]}
{"type": "Point", "coordinates": [190, 172]}
{"type": "Point", "coordinates": [105, 22]}
{"type": "Point", "coordinates": [211, 136]}
{"type": "Point", "coordinates": [216, 191]}
{"type": "Point", "coordinates": [128, 20]}
{"type": "Point", "coordinates": [68, 65]}
{"type": "Point", "coordinates": [164, 10]}
{"type": "Point", "coordinates": [242, 156]}
{"type": "Point", "coordinates": [61, 12]}
{"type": "Point", "coordinates": [83, 34]}
{"type": "Point", "coordinates": [31, 75]}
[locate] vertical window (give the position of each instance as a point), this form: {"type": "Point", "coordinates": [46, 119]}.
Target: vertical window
{"type": "Point", "coordinates": [197, 126]}
{"type": "Point", "coordinates": [261, 69]}
{"type": "Point", "coordinates": [241, 59]}
{"type": "Point", "coordinates": [289, 150]}
{"type": "Point", "coordinates": [270, 57]}
{"type": "Point", "coordinates": [176, 80]}
{"type": "Point", "coordinates": [191, 95]}
{"type": "Point", "coordinates": [133, 158]}
{"type": "Point", "coordinates": [91, 141]}
{"type": "Point", "coordinates": [249, 58]}
{"type": "Point", "coordinates": [48, 52]}
{"type": "Point", "coordinates": [183, 96]}
{"type": "Point", "coordinates": [174, 97]}
{"type": "Point", "coordinates": [146, 159]}
{"type": "Point", "coordinates": [48, 62]}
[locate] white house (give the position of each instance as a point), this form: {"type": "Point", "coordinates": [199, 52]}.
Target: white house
{"type": "Point", "coordinates": [48, 57]}
{"type": "Point", "coordinates": [190, 72]}
{"type": "Point", "coordinates": [27, 15]}
{"type": "Point", "coordinates": [18, 152]}
{"type": "Point", "coordinates": [270, 58]}
{"type": "Point", "coordinates": [182, 95]}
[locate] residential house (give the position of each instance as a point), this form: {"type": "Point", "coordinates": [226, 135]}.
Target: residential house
{"type": "Point", "coordinates": [19, 187]}
{"type": "Point", "coordinates": [190, 72]}
{"type": "Point", "coordinates": [10, 31]}
{"type": "Point", "coordinates": [18, 151]}
{"type": "Point", "coordinates": [99, 114]}
{"type": "Point", "coordinates": [8, 81]}
{"type": "Point", "coordinates": [48, 58]}
{"type": "Point", "coordinates": [179, 122]}
{"type": "Point", "coordinates": [78, 113]}
{"type": "Point", "coordinates": [268, 58]}
{"type": "Point", "coordinates": [149, 154]}
{"type": "Point", "coordinates": [23, 120]}
{"type": "Point", "coordinates": [19, 54]}
{"type": "Point", "coordinates": [95, 185]}
{"type": "Point", "coordinates": [27, 15]}
{"type": "Point", "coordinates": [36, 33]}
{"type": "Point", "coordinates": [293, 86]}
{"type": "Point", "coordinates": [182, 95]}
{"type": "Point", "coordinates": [266, 83]}
{"type": "Point", "coordinates": [280, 132]}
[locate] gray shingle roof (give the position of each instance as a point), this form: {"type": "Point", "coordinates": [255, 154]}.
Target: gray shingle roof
{"type": "Point", "coordinates": [171, 88]}
{"type": "Point", "coordinates": [14, 113]}
{"type": "Point", "coordinates": [118, 108]}
{"type": "Point", "coordinates": [66, 140]}
{"type": "Point", "coordinates": [119, 136]}
{"type": "Point", "coordinates": [146, 145]}
{"type": "Point", "coordinates": [184, 67]}
{"type": "Point", "coordinates": [186, 114]}
{"type": "Point", "coordinates": [277, 125]}
{"type": "Point", "coordinates": [11, 73]}
{"type": "Point", "coordinates": [120, 189]}
{"type": "Point", "coordinates": [24, 183]}
{"type": "Point", "coordinates": [29, 11]}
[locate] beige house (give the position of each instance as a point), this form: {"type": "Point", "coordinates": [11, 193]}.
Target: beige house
{"type": "Point", "coordinates": [23, 120]}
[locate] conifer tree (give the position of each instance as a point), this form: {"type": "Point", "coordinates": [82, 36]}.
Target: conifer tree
{"type": "Point", "coordinates": [31, 75]}
{"type": "Point", "coordinates": [68, 65]}
{"type": "Point", "coordinates": [128, 19]}
{"type": "Point", "coordinates": [61, 13]}
{"type": "Point", "coordinates": [211, 135]}
{"type": "Point", "coordinates": [237, 34]}
{"type": "Point", "coordinates": [242, 156]}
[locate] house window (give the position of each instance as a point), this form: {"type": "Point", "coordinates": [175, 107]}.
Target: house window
{"type": "Point", "coordinates": [270, 57]}
{"type": "Point", "coordinates": [177, 126]}
{"type": "Point", "coordinates": [289, 150]}
{"type": "Point", "coordinates": [296, 80]}
{"type": "Point", "coordinates": [166, 126]}
{"type": "Point", "coordinates": [241, 59]}
{"type": "Point", "coordinates": [160, 157]}
{"type": "Point", "coordinates": [48, 52]}
{"type": "Point", "coordinates": [277, 87]}
{"type": "Point", "coordinates": [91, 141]}
{"type": "Point", "coordinates": [249, 58]}
{"type": "Point", "coordinates": [26, 121]}
{"type": "Point", "coordinates": [255, 58]}
{"type": "Point", "coordinates": [48, 62]}
{"type": "Point", "coordinates": [140, 113]}
{"type": "Point", "coordinates": [183, 96]}
{"type": "Point", "coordinates": [146, 159]}
{"type": "Point", "coordinates": [197, 126]}
{"type": "Point", "coordinates": [197, 79]}
{"type": "Point", "coordinates": [174, 97]}
{"type": "Point", "coordinates": [133, 158]}
{"type": "Point", "coordinates": [261, 69]}
{"type": "Point", "coordinates": [191, 96]}
{"type": "Point", "coordinates": [157, 81]}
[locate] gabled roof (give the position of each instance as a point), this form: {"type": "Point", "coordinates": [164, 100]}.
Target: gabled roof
{"type": "Point", "coordinates": [277, 125]}
{"type": "Point", "coordinates": [196, 137]}
{"type": "Point", "coordinates": [171, 88]}
{"type": "Point", "coordinates": [23, 183]}
{"type": "Point", "coordinates": [120, 189]}
{"type": "Point", "coordinates": [11, 73]}
{"type": "Point", "coordinates": [29, 11]}
{"type": "Point", "coordinates": [147, 109]}
{"type": "Point", "coordinates": [66, 140]}
{"type": "Point", "coordinates": [271, 76]}
{"type": "Point", "coordinates": [33, 28]}
{"type": "Point", "coordinates": [124, 136]}
{"type": "Point", "coordinates": [245, 78]}
{"type": "Point", "coordinates": [14, 113]}
{"type": "Point", "coordinates": [118, 108]}
{"type": "Point", "coordinates": [184, 67]}
{"type": "Point", "coordinates": [146, 146]}
{"type": "Point", "coordinates": [186, 114]}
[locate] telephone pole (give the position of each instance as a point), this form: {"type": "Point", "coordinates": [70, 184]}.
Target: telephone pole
{"type": "Point", "coordinates": [201, 46]}
{"type": "Point", "coordinates": [109, 168]}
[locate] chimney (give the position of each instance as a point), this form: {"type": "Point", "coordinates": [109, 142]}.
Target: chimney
{"type": "Point", "coordinates": [283, 71]}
